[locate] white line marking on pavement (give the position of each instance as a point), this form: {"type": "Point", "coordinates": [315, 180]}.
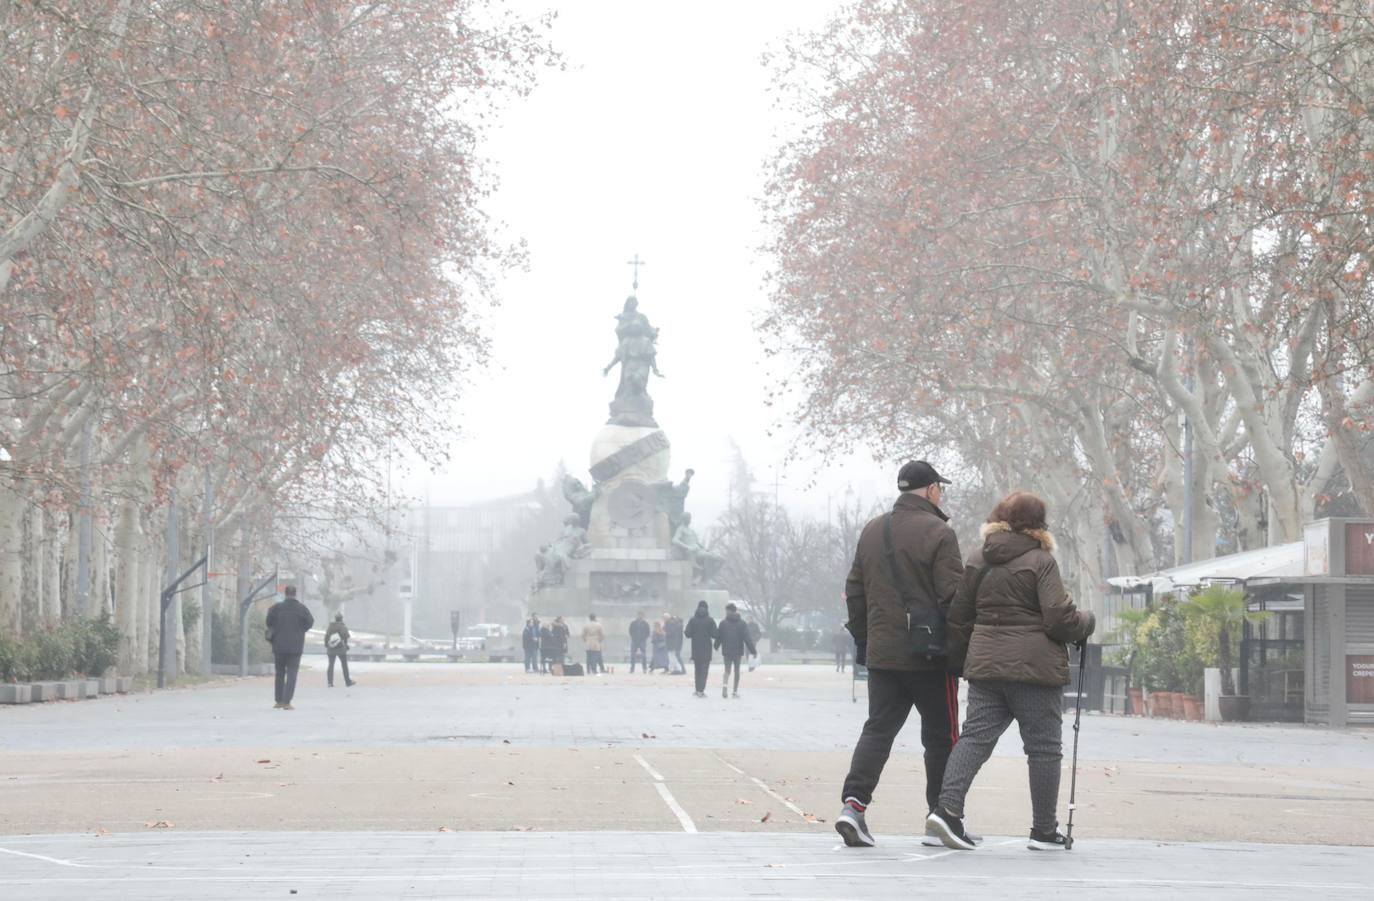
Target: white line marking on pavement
{"type": "Point", "coordinates": [766, 790]}
{"type": "Point", "coordinates": [658, 777]}
{"type": "Point", "coordinates": [779, 798]}
{"type": "Point", "coordinates": [915, 856]}
{"type": "Point", "coordinates": [667, 796]}
{"type": "Point", "coordinates": [58, 861]}
{"type": "Point", "coordinates": [676, 808]}
{"type": "Point", "coordinates": [729, 764]}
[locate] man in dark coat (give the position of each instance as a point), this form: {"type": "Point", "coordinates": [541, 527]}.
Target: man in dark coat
{"type": "Point", "coordinates": [701, 631]}
{"type": "Point", "coordinates": [547, 648]}
{"type": "Point", "coordinates": [672, 628]}
{"type": "Point", "coordinates": [639, 642]}
{"type": "Point", "coordinates": [287, 622]}
{"type": "Point", "coordinates": [906, 571]}
{"type": "Point", "coordinates": [529, 640]}
{"type": "Point", "coordinates": [839, 642]}
{"type": "Point", "coordinates": [754, 631]}
{"type": "Point", "coordinates": [732, 640]}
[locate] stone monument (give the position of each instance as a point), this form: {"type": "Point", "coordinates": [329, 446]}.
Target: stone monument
{"type": "Point", "coordinates": [628, 544]}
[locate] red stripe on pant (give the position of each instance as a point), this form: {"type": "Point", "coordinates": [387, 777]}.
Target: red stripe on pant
{"type": "Point", "coordinates": [952, 697]}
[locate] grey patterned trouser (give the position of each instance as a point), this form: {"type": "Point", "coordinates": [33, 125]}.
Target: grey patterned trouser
{"type": "Point", "coordinates": [991, 708]}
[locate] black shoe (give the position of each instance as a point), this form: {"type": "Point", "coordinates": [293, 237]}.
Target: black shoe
{"type": "Point", "coordinates": [949, 829]}
{"type": "Point", "coordinates": [350, 683]}
{"type": "Point", "coordinates": [1053, 840]}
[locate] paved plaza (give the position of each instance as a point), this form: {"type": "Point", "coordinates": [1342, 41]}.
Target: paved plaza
{"type": "Point", "coordinates": [437, 780]}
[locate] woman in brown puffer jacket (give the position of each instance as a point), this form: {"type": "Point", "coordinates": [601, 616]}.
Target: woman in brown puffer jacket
{"type": "Point", "coordinates": [1009, 629]}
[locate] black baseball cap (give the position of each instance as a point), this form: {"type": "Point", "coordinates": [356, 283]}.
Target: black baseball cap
{"type": "Point", "coordinates": [916, 474]}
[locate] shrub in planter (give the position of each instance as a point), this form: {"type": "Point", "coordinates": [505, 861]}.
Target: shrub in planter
{"type": "Point", "coordinates": [51, 653]}
{"type": "Point", "coordinates": [13, 664]}
{"type": "Point", "coordinates": [84, 647]}
{"type": "Point", "coordinates": [1219, 612]}
{"type": "Point", "coordinates": [96, 645]}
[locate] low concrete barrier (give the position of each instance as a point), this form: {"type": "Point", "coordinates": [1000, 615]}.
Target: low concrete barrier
{"type": "Point", "coordinates": [90, 688]}
{"type": "Point", "coordinates": [44, 691]}
{"type": "Point", "coordinates": [108, 685]}
{"type": "Point", "coordinates": [70, 689]}
{"type": "Point", "coordinates": [124, 684]}
{"type": "Point", "coordinates": [232, 669]}
{"type": "Point", "coordinates": [11, 693]}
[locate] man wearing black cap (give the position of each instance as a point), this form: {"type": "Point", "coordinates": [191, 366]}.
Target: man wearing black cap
{"type": "Point", "coordinates": [906, 569]}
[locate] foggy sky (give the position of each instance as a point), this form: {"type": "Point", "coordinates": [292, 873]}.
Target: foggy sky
{"type": "Point", "coordinates": [651, 142]}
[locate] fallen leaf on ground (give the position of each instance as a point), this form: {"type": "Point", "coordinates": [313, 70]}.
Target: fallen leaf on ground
{"type": "Point", "coordinates": [743, 801]}
{"type": "Point", "coordinates": [765, 817]}
{"type": "Point", "coordinates": [265, 761]}
{"type": "Point", "coordinates": [521, 828]}
{"type": "Point", "coordinates": [445, 829]}
{"type": "Point", "coordinates": [774, 866]}
{"type": "Point", "coordinates": [505, 741]}
{"type": "Point", "coordinates": [159, 824]}
{"type": "Point", "coordinates": [219, 778]}
{"type": "Point", "coordinates": [812, 818]}
{"type": "Point", "coordinates": [101, 831]}
{"type": "Point", "coordinates": [647, 735]}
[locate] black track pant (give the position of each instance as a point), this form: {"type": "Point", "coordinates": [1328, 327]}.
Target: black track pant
{"type": "Point", "coordinates": [732, 663]}
{"type": "Point", "coordinates": [287, 667]}
{"type": "Point", "coordinates": [891, 695]}
{"type": "Point", "coordinates": [342, 657]}
{"type": "Point", "coordinates": [703, 668]}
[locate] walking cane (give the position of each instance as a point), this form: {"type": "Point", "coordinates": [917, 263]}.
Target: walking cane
{"type": "Point", "coordinates": [1077, 718]}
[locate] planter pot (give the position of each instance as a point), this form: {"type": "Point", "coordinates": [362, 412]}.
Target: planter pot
{"type": "Point", "coordinates": [1161, 704]}
{"type": "Point", "coordinates": [1234, 708]}
{"type": "Point", "coordinates": [11, 693]}
{"type": "Point", "coordinates": [1192, 708]}
{"type": "Point", "coordinates": [1137, 701]}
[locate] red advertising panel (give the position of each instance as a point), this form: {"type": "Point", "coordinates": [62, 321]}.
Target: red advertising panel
{"type": "Point", "coordinates": [1359, 549]}
{"type": "Point", "coordinates": [1359, 679]}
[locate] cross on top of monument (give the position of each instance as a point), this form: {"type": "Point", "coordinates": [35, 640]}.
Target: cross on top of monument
{"type": "Point", "coordinates": [636, 263]}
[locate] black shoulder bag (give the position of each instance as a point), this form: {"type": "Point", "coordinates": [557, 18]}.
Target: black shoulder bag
{"type": "Point", "coordinates": [925, 626]}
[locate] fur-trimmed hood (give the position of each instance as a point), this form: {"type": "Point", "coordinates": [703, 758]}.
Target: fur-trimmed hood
{"type": "Point", "coordinates": [1001, 543]}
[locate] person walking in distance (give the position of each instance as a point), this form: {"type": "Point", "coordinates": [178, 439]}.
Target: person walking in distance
{"type": "Point", "coordinates": [592, 636]}
{"type": "Point", "coordinates": [561, 633]}
{"type": "Point", "coordinates": [658, 649]}
{"type": "Point", "coordinates": [839, 642]}
{"type": "Point", "coordinates": [639, 642]}
{"type": "Point", "coordinates": [547, 644]}
{"type": "Point", "coordinates": [1010, 626]}
{"type": "Point", "coordinates": [529, 640]}
{"type": "Point", "coordinates": [754, 632]}
{"type": "Point", "coordinates": [732, 640]}
{"type": "Point", "coordinates": [287, 622]}
{"type": "Point", "coordinates": [905, 574]}
{"type": "Point", "coordinates": [672, 631]}
{"type": "Point", "coordinates": [701, 632]}
{"type": "Point", "coordinates": [336, 646]}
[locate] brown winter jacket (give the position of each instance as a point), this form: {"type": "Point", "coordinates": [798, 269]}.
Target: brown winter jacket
{"type": "Point", "coordinates": [1016, 628]}
{"type": "Point", "coordinates": [927, 553]}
